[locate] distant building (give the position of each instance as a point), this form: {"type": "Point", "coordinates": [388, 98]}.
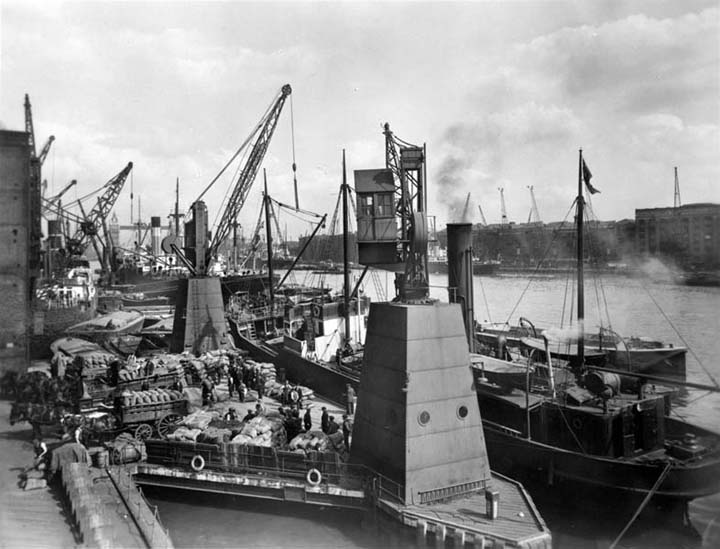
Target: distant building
{"type": "Point", "coordinates": [689, 234]}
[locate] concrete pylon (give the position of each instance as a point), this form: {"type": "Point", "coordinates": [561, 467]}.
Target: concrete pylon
{"type": "Point", "coordinates": [199, 325]}
{"type": "Point", "coordinates": [418, 421]}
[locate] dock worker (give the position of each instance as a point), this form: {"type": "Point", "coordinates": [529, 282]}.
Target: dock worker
{"type": "Point", "coordinates": [324, 420]}
{"type": "Point", "coordinates": [242, 391]}
{"type": "Point", "coordinates": [41, 451]}
{"type": "Point", "coordinates": [285, 396]}
{"type": "Point", "coordinates": [230, 415]}
{"type": "Point", "coordinates": [350, 395]}
{"type": "Point", "coordinates": [295, 396]}
{"type": "Point", "coordinates": [207, 390]}
{"type": "Point", "coordinates": [260, 385]}
{"type": "Point", "coordinates": [346, 429]}
{"type": "Point", "coordinates": [307, 419]}
{"type": "Point", "coordinates": [333, 427]}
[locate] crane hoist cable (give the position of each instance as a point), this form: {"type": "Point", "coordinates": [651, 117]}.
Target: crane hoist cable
{"type": "Point", "coordinates": [244, 144]}
{"type": "Point", "coordinates": [294, 165]}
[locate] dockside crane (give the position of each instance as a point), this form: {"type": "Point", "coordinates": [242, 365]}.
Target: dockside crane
{"type": "Point", "coordinates": [534, 215]}
{"type": "Point", "coordinates": [51, 202]}
{"type": "Point", "coordinates": [392, 219]}
{"type": "Point", "coordinates": [90, 225]}
{"type": "Point", "coordinates": [199, 249]}
{"type": "Point", "coordinates": [503, 211]}
{"type": "Point", "coordinates": [36, 162]}
{"type": "Point", "coordinates": [482, 216]}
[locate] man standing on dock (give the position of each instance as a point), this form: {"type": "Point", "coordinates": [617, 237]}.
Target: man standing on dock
{"type": "Point", "coordinates": [307, 419]}
{"type": "Point", "coordinates": [324, 420]}
{"type": "Point", "coordinates": [346, 429]}
{"type": "Point", "coordinates": [350, 394]}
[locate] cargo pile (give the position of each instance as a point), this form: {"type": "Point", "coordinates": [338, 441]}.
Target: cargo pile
{"type": "Point", "coordinates": [151, 396]}
{"type": "Point", "coordinates": [139, 372]}
{"type": "Point", "coordinates": [266, 431]}
{"type": "Point", "coordinates": [312, 440]}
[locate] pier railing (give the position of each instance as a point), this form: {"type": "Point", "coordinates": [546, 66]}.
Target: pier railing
{"type": "Point", "coordinates": [270, 463]}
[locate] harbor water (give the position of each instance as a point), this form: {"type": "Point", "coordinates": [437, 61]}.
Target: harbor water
{"type": "Point", "coordinates": [682, 315]}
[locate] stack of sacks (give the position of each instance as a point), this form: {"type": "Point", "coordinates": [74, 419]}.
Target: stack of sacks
{"type": "Point", "coordinates": [184, 434]}
{"type": "Point", "coordinates": [152, 396]}
{"type": "Point", "coordinates": [215, 361]}
{"type": "Point", "coordinates": [275, 390]}
{"type": "Point", "coordinates": [267, 369]}
{"type": "Point", "coordinates": [200, 419]}
{"type": "Point", "coordinates": [262, 431]}
{"type": "Point", "coordinates": [214, 435]}
{"type": "Point", "coordinates": [312, 440]}
{"type": "Point", "coordinates": [196, 367]}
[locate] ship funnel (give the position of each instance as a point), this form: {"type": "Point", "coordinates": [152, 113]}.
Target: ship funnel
{"type": "Point", "coordinates": [155, 235]}
{"type": "Point", "coordinates": [460, 274]}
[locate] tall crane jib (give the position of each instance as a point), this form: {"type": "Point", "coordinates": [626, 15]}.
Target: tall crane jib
{"type": "Point", "coordinates": [197, 250]}
{"type": "Point", "coordinates": [93, 221]}
{"type": "Point", "coordinates": [36, 162]}
{"type": "Point", "coordinates": [391, 217]}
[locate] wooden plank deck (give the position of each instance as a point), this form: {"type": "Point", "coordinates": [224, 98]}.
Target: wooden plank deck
{"type": "Point", "coordinates": [27, 519]}
{"type": "Point", "coordinates": [518, 522]}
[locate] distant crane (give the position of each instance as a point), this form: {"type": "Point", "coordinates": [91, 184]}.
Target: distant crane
{"type": "Point", "coordinates": [677, 190]}
{"type": "Point", "coordinates": [534, 215]}
{"type": "Point", "coordinates": [503, 211]}
{"type": "Point", "coordinates": [89, 225]}
{"type": "Point", "coordinates": [482, 216]}
{"type": "Point", "coordinates": [47, 203]}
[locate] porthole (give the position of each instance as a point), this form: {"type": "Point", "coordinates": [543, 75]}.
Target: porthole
{"type": "Point", "coordinates": [462, 411]}
{"type": "Point", "coordinates": [424, 418]}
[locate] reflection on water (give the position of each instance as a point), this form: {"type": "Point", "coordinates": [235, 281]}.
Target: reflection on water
{"type": "Point", "coordinates": [676, 314]}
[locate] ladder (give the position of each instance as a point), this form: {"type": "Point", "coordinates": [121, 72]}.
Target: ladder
{"type": "Point", "coordinates": [252, 334]}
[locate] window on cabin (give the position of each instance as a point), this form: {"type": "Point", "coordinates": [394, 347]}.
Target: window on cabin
{"type": "Point", "coordinates": [384, 205]}
{"type": "Point", "coordinates": [366, 205]}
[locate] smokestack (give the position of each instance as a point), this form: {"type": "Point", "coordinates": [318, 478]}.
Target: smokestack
{"type": "Point", "coordinates": [55, 236]}
{"type": "Point", "coordinates": [155, 235]}
{"type": "Point", "coordinates": [460, 274]}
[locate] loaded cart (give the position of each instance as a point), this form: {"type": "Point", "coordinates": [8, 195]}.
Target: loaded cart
{"type": "Point", "coordinates": [142, 416]}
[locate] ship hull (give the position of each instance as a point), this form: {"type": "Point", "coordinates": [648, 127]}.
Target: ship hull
{"type": "Point", "coordinates": [525, 459]}
{"type": "Point", "coordinates": [325, 379]}
{"type": "Point", "coordinates": [168, 287]}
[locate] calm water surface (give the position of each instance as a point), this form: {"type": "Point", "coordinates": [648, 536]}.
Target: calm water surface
{"type": "Point", "coordinates": [676, 314]}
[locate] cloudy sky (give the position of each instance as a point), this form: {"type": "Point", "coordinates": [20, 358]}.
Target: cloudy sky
{"type": "Point", "coordinates": [503, 94]}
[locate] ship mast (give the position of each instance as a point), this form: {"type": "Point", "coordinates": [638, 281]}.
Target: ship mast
{"type": "Point", "coordinates": [580, 273]}
{"type": "Point", "coordinates": [268, 232]}
{"type": "Point", "coordinates": [346, 262]}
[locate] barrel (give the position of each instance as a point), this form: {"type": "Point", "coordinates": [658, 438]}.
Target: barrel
{"type": "Point", "coordinates": [100, 459]}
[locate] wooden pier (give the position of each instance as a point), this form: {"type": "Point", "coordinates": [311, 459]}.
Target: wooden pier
{"type": "Point", "coordinates": [465, 519]}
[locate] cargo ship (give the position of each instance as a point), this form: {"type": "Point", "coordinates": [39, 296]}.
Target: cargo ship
{"type": "Point", "coordinates": [61, 302]}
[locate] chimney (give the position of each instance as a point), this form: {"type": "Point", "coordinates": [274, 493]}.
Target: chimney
{"type": "Point", "coordinates": [460, 274]}
{"type": "Point", "coordinates": [155, 235]}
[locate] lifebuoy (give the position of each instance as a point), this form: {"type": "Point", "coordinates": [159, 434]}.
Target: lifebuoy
{"type": "Point", "coordinates": [314, 477]}
{"type": "Point", "coordinates": [294, 396]}
{"type": "Point", "coordinates": [316, 310]}
{"type": "Point", "coordinates": [577, 423]}
{"type": "Point", "coordinates": [197, 463]}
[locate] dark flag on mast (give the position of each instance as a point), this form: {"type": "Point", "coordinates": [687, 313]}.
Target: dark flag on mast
{"type": "Point", "coordinates": [587, 175]}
